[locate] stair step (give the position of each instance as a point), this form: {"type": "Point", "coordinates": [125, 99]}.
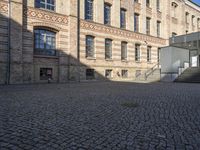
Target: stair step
{"type": "Point", "coordinates": [190, 75]}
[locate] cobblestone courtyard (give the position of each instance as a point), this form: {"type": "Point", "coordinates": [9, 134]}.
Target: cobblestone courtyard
{"type": "Point", "coordinates": [100, 116]}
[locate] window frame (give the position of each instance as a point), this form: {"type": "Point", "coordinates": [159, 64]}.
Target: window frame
{"type": "Point", "coordinates": [148, 25]}
{"type": "Point", "coordinates": [88, 48]}
{"type": "Point", "coordinates": [124, 73]}
{"type": "Point", "coordinates": [111, 73]}
{"type": "Point", "coordinates": [107, 20]}
{"type": "Point", "coordinates": [38, 4]}
{"type": "Point", "coordinates": [89, 10]}
{"type": "Point", "coordinates": [47, 35]}
{"type": "Point", "coordinates": [108, 48]}
{"type": "Point", "coordinates": [158, 25]}
{"type": "Point", "coordinates": [148, 3]}
{"type": "Point", "coordinates": [90, 75]}
{"type": "Point", "coordinates": [122, 18]}
{"type": "Point", "coordinates": [137, 53]}
{"type": "Point", "coordinates": [124, 51]}
{"type": "Point", "coordinates": [149, 54]}
{"type": "Point", "coordinates": [136, 22]}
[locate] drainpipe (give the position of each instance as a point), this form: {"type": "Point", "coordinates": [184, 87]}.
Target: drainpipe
{"type": "Point", "coordinates": [78, 38]}
{"type": "Point", "coordinates": [9, 41]}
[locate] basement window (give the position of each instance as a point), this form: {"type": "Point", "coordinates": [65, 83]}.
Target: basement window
{"type": "Point", "coordinates": [46, 73]}
{"type": "Point", "coordinates": [90, 74]}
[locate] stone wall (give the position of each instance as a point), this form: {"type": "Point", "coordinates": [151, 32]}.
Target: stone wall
{"type": "Point", "coordinates": [25, 65]}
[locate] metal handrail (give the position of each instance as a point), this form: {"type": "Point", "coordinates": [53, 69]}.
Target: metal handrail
{"type": "Point", "coordinates": [151, 70]}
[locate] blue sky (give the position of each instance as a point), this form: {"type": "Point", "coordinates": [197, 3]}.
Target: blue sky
{"type": "Point", "coordinates": [196, 1]}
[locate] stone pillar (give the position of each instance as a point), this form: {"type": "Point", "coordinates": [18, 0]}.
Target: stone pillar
{"type": "Point", "coordinates": [99, 11]}
{"type": "Point", "coordinates": [73, 49]}
{"type": "Point", "coordinates": [116, 13]}
{"type": "Point", "coordinates": [16, 71]}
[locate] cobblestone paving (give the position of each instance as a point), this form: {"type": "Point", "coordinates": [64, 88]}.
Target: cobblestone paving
{"type": "Point", "coordinates": [93, 116]}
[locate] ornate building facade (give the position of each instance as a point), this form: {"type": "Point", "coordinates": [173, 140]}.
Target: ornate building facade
{"type": "Point", "coordinates": [61, 40]}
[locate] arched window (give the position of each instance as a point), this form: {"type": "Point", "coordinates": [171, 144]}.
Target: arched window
{"type": "Point", "coordinates": [46, 4]}
{"type": "Point", "coordinates": [44, 42]}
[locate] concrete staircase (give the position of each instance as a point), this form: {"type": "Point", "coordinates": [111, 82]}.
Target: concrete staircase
{"type": "Point", "coordinates": [152, 76]}
{"type": "Point", "coordinates": [190, 75]}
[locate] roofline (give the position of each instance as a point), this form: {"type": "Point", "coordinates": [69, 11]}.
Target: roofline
{"type": "Point", "coordinates": [194, 3]}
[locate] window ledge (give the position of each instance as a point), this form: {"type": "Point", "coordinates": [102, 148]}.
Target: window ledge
{"type": "Point", "coordinates": [91, 58]}
{"type": "Point", "coordinates": [109, 59]}
{"type": "Point", "coordinates": [125, 61]}
{"type": "Point", "coordinates": [138, 61]}
{"type": "Point", "coordinates": [46, 56]}
{"type": "Point", "coordinates": [52, 11]}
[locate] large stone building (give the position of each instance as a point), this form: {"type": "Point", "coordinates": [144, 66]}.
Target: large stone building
{"type": "Point", "coordinates": [113, 39]}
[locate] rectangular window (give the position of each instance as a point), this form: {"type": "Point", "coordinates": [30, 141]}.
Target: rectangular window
{"type": "Point", "coordinates": [108, 73]}
{"type": "Point", "coordinates": [107, 14]}
{"type": "Point", "coordinates": [148, 25]}
{"type": "Point", "coordinates": [124, 73]}
{"type": "Point", "coordinates": [90, 74]}
{"type": "Point", "coordinates": [136, 22]}
{"type": "Point", "coordinates": [88, 9]}
{"type": "Point", "coordinates": [90, 46]}
{"type": "Point", "coordinates": [138, 73]}
{"type": "Point", "coordinates": [158, 5]}
{"type": "Point", "coordinates": [44, 42]}
{"type": "Point", "coordinates": [186, 17]}
{"type": "Point", "coordinates": [198, 22]}
{"type": "Point", "coordinates": [137, 52]}
{"type": "Point", "coordinates": [45, 4]}
{"type": "Point", "coordinates": [158, 54]}
{"type": "Point", "coordinates": [124, 51]}
{"type": "Point", "coordinates": [193, 19]}
{"type": "Point", "coordinates": [46, 73]}
{"type": "Point", "coordinates": [108, 49]}
{"type": "Point", "coordinates": [123, 18]}
{"type": "Point", "coordinates": [136, 1]}
{"type": "Point", "coordinates": [148, 3]}
{"type": "Point", "coordinates": [148, 53]}
{"type": "Point", "coordinates": [158, 28]}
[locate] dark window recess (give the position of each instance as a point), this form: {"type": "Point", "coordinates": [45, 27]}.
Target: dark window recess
{"type": "Point", "coordinates": [45, 4]}
{"type": "Point", "coordinates": [108, 73]}
{"type": "Point", "coordinates": [136, 22]}
{"type": "Point", "coordinates": [107, 14]}
{"type": "Point", "coordinates": [90, 74]}
{"type": "Point", "coordinates": [148, 25]}
{"type": "Point", "coordinates": [124, 73]}
{"type": "Point", "coordinates": [137, 52]}
{"type": "Point", "coordinates": [108, 49]}
{"type": "Point", "coordinates": [148, 54]}
{"type": "Point", "coordinates": [123, 18]}
{"type": "Point", "coordinates": [90, 46]}
{"type": "Point", "coordinates": [158, 28]}
{"type": "Point", "coordinates": [46, 73]}
{"type": "Point", "coordinates": [148, 3]}
{"type": "Point", "coordinates": [124, 51]}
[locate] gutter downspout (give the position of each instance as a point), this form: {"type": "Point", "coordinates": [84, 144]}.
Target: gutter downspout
{"type": "Point", "coordinates": [9, 41]}
{"type": "Point", "coordinates": [78, 38]}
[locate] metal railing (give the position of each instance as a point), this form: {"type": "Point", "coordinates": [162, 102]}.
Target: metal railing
{"type": "Point", "coordinates": [151, 70]}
